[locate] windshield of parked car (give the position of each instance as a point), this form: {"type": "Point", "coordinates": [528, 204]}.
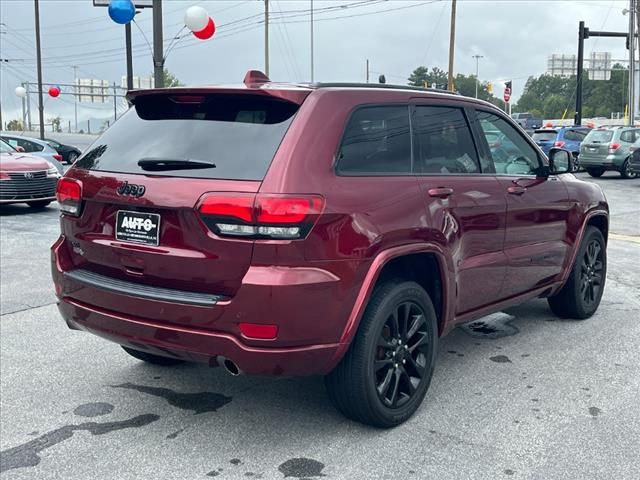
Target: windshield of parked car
{"type": "Point", "coordinates": [599, 136]}
{"type": "Point", "coordinates": [5, 147]}
{"type": "Point", "coordinates": [544, 136]}
{"type": "Point", "coordinates": [239, 134]}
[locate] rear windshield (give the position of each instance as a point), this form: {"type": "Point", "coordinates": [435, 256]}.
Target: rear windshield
{"type": "Point", "coordinates": [599, 136]}
{"type": "Point", "coordinates": [542, 136]}
{"type": "Point", "coordinates": [239, 134]}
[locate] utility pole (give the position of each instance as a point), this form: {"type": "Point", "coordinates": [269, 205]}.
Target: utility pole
{"type": "Point", "coordinates": [477, 57]}
{"type": "Point", "coordinates": [75, 97]}
{"type": "Point", "coordinates": [452, 42]}
{"type": "Point", "coordinates": [266, 37]}
{"type": "Point", "coordinates": [24, 111]}
{"type": "Point", "coordinates": [39, 60]}
{"type": "Point", "coordinates": [158, 55]}
{"type": "Point", "coordinates": [367, 70]}
{"type": "Point", "coordinates": [127, 42]}
{"type": "Point", "coordinates": [311, 41]}
{"type": "Point", "coordinates": [115, 103]}
{"type": "Point", "coordinates": [632, 61]}
{"type": "Point", "coordinates": [580, 73]}
{"type": "Point", "coordinates": [28, 105]}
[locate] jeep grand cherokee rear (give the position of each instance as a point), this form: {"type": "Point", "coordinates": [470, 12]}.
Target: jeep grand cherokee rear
{"type": "Point", "coordinates": [329, 229]}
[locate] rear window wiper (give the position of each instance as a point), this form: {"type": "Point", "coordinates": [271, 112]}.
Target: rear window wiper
{"type": "Point", "coordinates": [160, 164]}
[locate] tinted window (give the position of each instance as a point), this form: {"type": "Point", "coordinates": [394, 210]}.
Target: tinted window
{"type": "Point", "coordinates": [513, 155]}
{"type": "Point", "coordinates": [238, 133]}
{"type": "Point", "coordinates": [443, 142]}
{"type": "Point", "coordinates": [599, 136]}
{"type": "Point", "coordinates": [544, 136]}
{"type": "Point", "coordinates": [575, 135]}
{"type": "Point", "coordinates": [628, 136]}
{"type": "Point", "coordinates": [376, 140]}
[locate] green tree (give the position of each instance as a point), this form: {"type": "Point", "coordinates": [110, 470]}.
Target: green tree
{"type": "Point", "coordinates": [170, 80]}
{"type": "Point", "coordinates": [422, 77]}
{"type": "Point", "coordinates": [15, 126]}
{"type": "Point", "coordinates": [55, 124]}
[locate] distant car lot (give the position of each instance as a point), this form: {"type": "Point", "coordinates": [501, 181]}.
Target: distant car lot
{"type": "Point", "coordinates": [531, 397]}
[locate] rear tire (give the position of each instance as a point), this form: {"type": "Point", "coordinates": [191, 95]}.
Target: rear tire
{"type": "Point", "coordinates": [385, 375]}
{"type": "Point", "coordinates": [575, 167]}
{"type": "Point", "coordinates": [581, 295]}
{"type": "Point", "coordinates": [626, 171]}
{"type": "Point", "coordinates": [595, 172]}
{"type": "Point", "coordinates": [151, 358]}
{"type": "Point", "coordinates": [39, 205]}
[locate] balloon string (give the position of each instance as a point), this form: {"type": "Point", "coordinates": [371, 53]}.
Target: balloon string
{"type": "Point", "coordinates": [143, 35]}
{"type": "Point", "coordinates": [175, 40]}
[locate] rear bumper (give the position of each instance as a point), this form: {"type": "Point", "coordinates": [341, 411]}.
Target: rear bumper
{"type": "Point", "coordinates": [310, 306]}
{"type": "Point", "coordinates": [197, 345]}
{"type": "Point", "coordinates": [609, 162]}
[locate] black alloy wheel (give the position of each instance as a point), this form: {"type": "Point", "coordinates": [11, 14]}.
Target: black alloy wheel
{"type": "Point", "coordinates": [401, 356]}
{"type": "Point", "coordinates": [592, 273]}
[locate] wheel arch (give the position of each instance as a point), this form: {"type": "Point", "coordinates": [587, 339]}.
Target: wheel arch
{"type": "Point", "coordinates": [386, 266]}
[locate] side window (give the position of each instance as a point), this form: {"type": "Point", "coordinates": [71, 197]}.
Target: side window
{"type": "Point", "coordinates": [573, 135]}
{"type": "Point", "coordinates": [629, 136]}
{"type": "Point", "coordinates": [442, 142]}
{"type": "Point", "coordinates": [511, 154]}
{"type": "Point", "coordinates": [12, 142]}
{"type": "Point", "coordinates": [376, 140]}
{"type": "Point", "coordinates": [30, 146]}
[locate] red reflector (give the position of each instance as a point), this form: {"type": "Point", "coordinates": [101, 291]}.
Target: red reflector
{"type": "Point", "coordinates": [234, 206]}
{"type": "Point", "coordinates": [259, 330]}
{"type": "Point", "coordinates": [286, 210]}
{"type": "Point", "coordinates": [58, 157]}
{"type": "Point", "coordinates": [559, 144]}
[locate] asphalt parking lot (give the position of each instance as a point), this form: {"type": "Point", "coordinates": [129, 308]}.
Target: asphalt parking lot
{"type": "Point", "coordinates": [526, 397]}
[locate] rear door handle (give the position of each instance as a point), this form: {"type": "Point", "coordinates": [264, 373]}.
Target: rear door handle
{"type": "Point", "coordinates": [440, 192]}
{"type": "Point", "coordinates": [516, 190]}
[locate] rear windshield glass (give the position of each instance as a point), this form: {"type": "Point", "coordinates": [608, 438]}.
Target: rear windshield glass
{"type": "Point", "coordinates": [542, 136]}
{"type": "Point", "coordinates": [599, 136]}
{"type": "Point", "coordinates": [239, 134]}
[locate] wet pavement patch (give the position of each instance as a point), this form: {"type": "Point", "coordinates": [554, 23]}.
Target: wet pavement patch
{"type": "Point", "coordinates": [93, 409]}
{"type": "Point", "coordinates": [594, 411]}
{"type": "Point", "coordinates": [301, 468]}
{"type": "Point", "coordinates": [493, 326]}
{"type": "Point", "coordinates": [201, 402]}
{"type": "Point", "coordinates": [173, 435]}
{"type": "Point", "coordinates": [508, 471]}
{"type": "Point", "coordinates": [27, 454]}
{"type": "Point", "coordinates": [500, 359]}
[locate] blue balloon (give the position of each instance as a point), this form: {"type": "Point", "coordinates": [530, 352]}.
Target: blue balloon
{"type": "Point", "coordinates": [122, 11]}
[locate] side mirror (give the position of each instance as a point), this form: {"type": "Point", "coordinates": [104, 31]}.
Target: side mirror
{"type": "Point", "coordinates": [20, 149]}
{"type": "Point", "coordinates": [559, 161]}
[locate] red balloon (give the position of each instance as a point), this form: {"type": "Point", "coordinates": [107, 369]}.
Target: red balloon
{"type": "Point", "coordinates": [207, 32]}
{"type": "Point", "coordinates": [54, 91]}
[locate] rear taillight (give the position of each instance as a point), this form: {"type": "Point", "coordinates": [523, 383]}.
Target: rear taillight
{"type": "Point", "coordinates": [558, 144]}
{"type": "Point", "coordinates": [57, 156]}
{"type": "Point", "coordinates": [69, 196]}
{"type": "Point", "coordinates": [285, 217]}
{"type": "Point", "coordinates": [613, 147]}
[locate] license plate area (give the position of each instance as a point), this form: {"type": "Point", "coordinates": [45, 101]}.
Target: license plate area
{"type": "Point", "coordinates": [138, 227]}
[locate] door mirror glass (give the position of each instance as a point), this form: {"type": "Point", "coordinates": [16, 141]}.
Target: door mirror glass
{"type": "Point", "coordinates": [559, 161]}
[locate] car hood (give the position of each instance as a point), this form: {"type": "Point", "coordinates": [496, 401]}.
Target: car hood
{"type": "Point", "coordinates": [22, 162]}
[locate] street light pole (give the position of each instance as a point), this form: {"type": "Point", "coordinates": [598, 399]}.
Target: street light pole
{"type": "Point", "coordinates": [266, 37]}
{"type": "Point", "coordinates": [75, 97]}
{"type": "Point", "coordinates": [452, 42]}
{"type": "Point", "coordinates": [632, 61]}
{"type": "Point", "coordinates": [39, 60]}
{"type": "Point", "coordinates": [158, 55]}
{"type": "Point", "coordinates": [477, 57]}
{"type": "Point", "coordinates": [311, 41]}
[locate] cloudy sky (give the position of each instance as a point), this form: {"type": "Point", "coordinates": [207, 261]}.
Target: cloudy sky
{"type": "Point", "coordinates": [514, 36]}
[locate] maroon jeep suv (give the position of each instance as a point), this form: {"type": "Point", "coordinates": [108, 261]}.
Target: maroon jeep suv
{"type": "Point", "coordinates": [325, 229]}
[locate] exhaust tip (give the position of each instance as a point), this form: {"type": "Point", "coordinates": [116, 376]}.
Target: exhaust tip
{"type": "Point", "coordinates": [231, 367]}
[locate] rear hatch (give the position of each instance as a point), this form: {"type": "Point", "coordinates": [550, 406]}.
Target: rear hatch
{"type": "Point", "coordinates": [143, 179]}
{"type": "Point", "coordinates": [596, 145]}
{"type": "Point", "coordinates": [545, 138]}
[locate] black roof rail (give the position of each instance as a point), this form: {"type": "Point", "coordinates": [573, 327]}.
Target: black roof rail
{"type": "Point", "coordinates": [378, 85]}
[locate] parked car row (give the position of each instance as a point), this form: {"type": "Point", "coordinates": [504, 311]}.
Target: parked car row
{"type": "Point", "coordinates": [606, 149]}
{"type": "Point", "coordinates": [26, 178]}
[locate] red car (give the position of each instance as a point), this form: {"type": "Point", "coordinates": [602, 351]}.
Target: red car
{"type": "Point", "coordinates": [25, 178]}
{"type": "Point", "coordinates": [328, 229]}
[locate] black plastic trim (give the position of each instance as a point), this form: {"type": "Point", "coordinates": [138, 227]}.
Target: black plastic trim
{"type": "Point", "coordinates": [143, 291]}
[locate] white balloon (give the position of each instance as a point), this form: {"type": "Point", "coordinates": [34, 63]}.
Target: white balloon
{"type": "Point", "coordinates": [196, 18]}
{"type": "Point", "coordinates": [21, 92]}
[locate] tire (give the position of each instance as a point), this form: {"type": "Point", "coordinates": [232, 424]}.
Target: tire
{"type": "Point", "coordinates": [151, 358]}
{"type": "Point", "coordinates": [39, 205]}
{"type": "Point", "coordinates": [388, 396]}
{"type": "Point", "coordinates": [595, 172]}
{"type": "Point", "coordinates": [575, 166]}
{"type": "Point", "coordinates": [626, 171]}
{"type": "Point", "coordinates": [71, 158]}
{"type": "Point", "coordinates": [580, 297]}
